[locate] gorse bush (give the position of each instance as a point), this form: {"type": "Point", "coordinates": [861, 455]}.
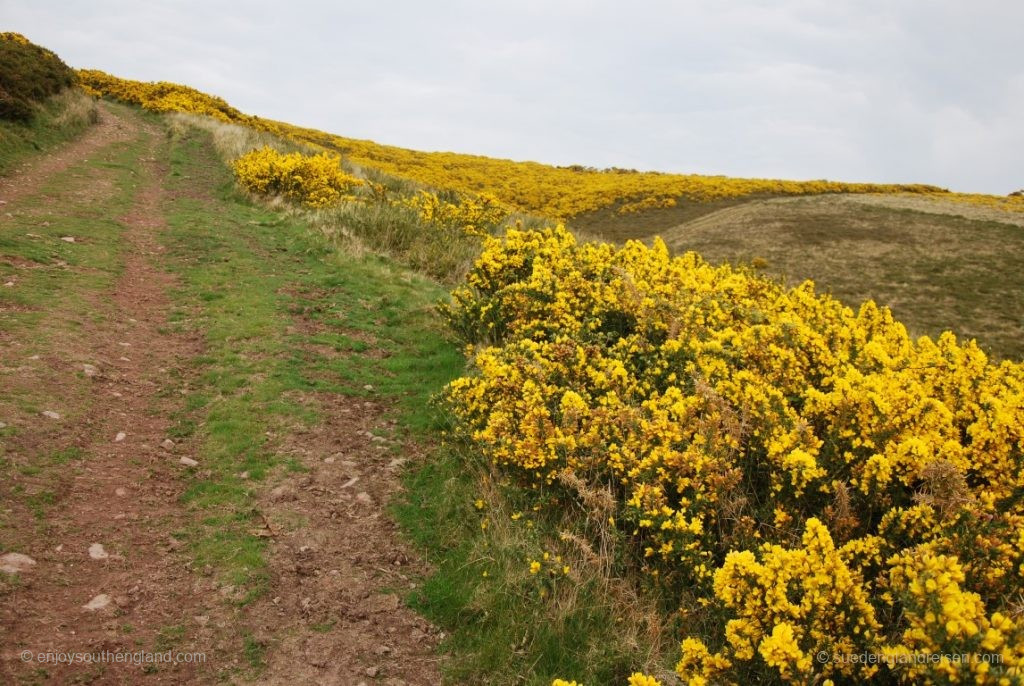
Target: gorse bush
{"type": "Point", "coordinates": [28, 75]}
{"type": "Point", "coordinates": [437, 236]}
{"type": "Point", "coordinates": [477, 215]}
{"type": "Point", "coordinates": [161, 96]}
{"type": "Point", "coordinates": [310, 180]}
{"type": "Point", "coordinates": [556, 192]}
{"type": "Point", "coordinates": [812, 484]}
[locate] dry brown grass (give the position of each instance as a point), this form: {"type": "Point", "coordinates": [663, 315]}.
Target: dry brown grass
{"type": "Point", "coordinates": [939, 265]}
{"type": "Point", "coordinates": [230, 140]}
{"type": "Point", "coordinates": [77, 110]}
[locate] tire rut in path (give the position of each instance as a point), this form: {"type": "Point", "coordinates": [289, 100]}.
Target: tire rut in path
{"type": "Point", "coordinates": [334, 613]}
{"type": "Point", "coordinates": [126, 495]}
{"type": "Point", "coordinates": [27, 177]}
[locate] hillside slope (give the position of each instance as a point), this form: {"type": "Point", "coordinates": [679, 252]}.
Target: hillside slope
{"type": "Point", "coordinates": [942, 260]}
{"type": "Point", "coordinates": [39, 105]}
{"type": "Point", "coordinates": [938, 265]}
{"type": "Point", "coordinates": [554, 192]}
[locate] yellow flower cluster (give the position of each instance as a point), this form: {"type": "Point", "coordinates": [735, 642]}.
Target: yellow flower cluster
{"type": "Point", "coordinates": [14, 38]}
{"type": "Point", "coordinates": [560, 192]}
{"type": "Point", "coordinates": [474, 214]}
{"type": "Point", "coordinates": [944, 619]}
{"type": "Point", "coordinates": [161, 96]}
{"type": "Point", "coordinates": [557, 192]}
{"type": "Point", "coordinates": [635, 679]}
{"type": "Point", "coordinates": [811, 602]}
{"type": "Point", "coordinates": [312, 180]}
{"type": "Point", "coordinates": [805, 470]}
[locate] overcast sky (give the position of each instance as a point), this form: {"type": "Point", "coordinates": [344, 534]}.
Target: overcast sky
{"type": "Point", "coordinates": [928, 91]}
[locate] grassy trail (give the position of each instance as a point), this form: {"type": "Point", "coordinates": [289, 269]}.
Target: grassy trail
{"type": "Point", "coordinates": [199, 430]}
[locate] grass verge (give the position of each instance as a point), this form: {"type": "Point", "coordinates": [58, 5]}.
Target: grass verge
{"type": "Point", "coordinates": [522, 603]}
{"type": "Point", "coordinates": [58, 119]}
{"type": "Point", "coordinates": [249, 274]}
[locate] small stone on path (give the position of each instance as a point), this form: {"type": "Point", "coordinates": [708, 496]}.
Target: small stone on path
{"type": "Point", "coordinates": [97, 552]}
{"type": "Point", "coordinates": [188, 462]}
{"type": "Point", "coordinates": [97, 603]}
{"type": "Point", "coordinates": [121, 435]}
{"type": "Point", "coordinates": [13, 563]}
{"type": "Point", "coordinates": [51, 414]}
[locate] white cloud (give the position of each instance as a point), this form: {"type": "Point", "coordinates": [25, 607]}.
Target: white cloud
{"type": "Point", "coordinates": [920, 91]}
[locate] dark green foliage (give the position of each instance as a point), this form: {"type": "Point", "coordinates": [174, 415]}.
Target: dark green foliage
{"type": "Point", "coordinates": [28, 75]}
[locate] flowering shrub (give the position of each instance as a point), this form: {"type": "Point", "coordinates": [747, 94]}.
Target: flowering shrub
{"type": "Point", "coordinates": [162, 96]}
{"type": "Point", "coordinates": [557, 192]}
{"type": "Point", "coordinates": [472, 214]}
{"type": "Point", "coordinates": [818, 482]}
{"type": "Point", "coordinates": [30, 74]}
{"type": "Point", "coordinates": [312, 180]}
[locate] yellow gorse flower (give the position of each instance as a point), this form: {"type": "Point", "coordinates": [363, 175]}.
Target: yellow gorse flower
{"type": "Point", "coordinates": [556, 192]}
{"type": "Point", "coordinates": [474, 214]}
{"type": "Point", "coordinates": [810, 474]}
{"type": "Point", "coordinates": [311, 180]}
{"type": "Point", "coordinates": [823, 482]}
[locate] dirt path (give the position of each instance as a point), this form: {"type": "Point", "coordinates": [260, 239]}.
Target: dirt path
{"type": "Point", "coordinates": [106, 542]}
{"type": "Point", "coordinates": [107, 574]}
{"type": "Point", "coordinates": [33, 172]}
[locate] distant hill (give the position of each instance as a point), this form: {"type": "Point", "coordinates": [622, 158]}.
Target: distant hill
{"type": "Point", "coordinates": [550, 191]}
{"type": "Point", "coordinates": [938, 258]}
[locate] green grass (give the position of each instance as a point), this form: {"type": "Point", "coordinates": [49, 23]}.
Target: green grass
{"type": "Point", "coordinates": [508, 626]}
{"type": "Point", "coordinates": [247, 275]}
{"type": "Point", "coordinates": [56, 120]}
{"type": "Point", "coordinates": [255, 653]}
